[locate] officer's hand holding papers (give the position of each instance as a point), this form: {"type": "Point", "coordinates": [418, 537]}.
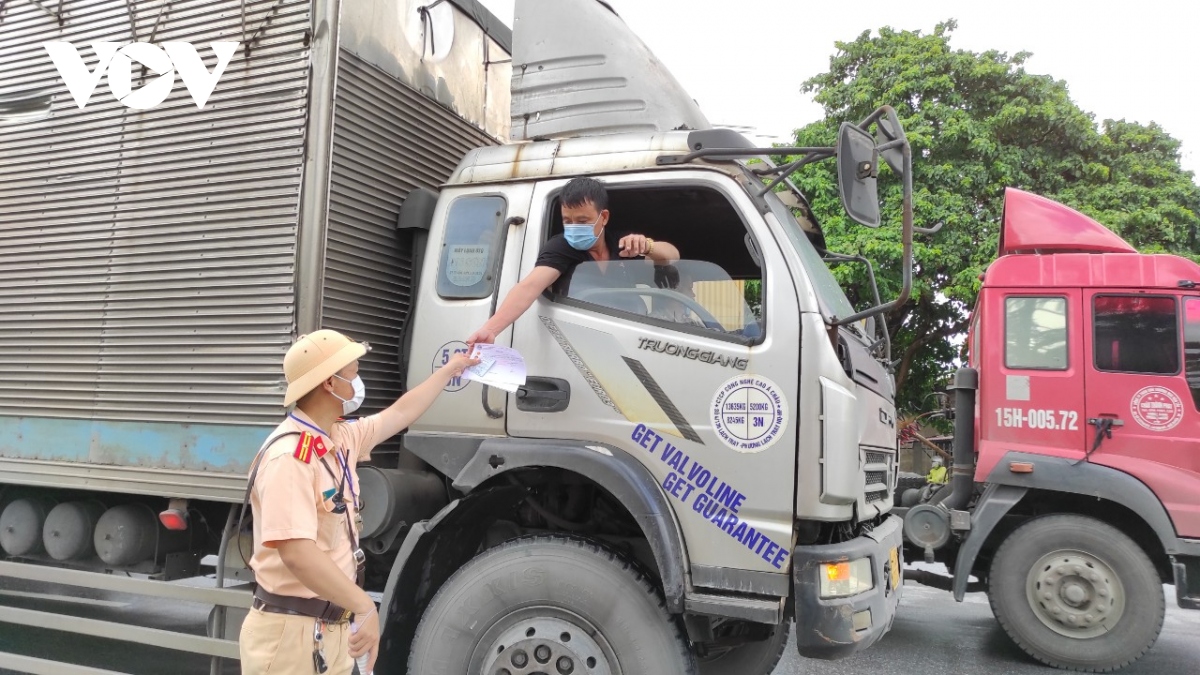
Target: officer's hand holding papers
{"type": "Point", "coordinates": [499, 367]}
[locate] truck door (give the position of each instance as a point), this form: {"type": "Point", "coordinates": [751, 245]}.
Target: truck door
{"type": "Point", "coordinates": [692, 369]}
{"type": "Point", "coordinates": [1035, 400]}
{"type": "Point", "coordinates": [1138, 391]}
{"type": "Point", "coordinates": [474, 257]}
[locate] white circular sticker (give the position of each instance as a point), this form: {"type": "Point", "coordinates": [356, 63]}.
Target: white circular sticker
{"type": "Point", "coordinates": [749, 413]}
{"type": "Point", "coordinates": [1157, 408]}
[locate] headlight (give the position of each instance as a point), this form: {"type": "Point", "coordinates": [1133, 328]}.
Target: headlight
{"type": "Point", "coordinates": [843, 579]}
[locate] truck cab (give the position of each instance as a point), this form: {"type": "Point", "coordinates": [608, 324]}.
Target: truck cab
{"type": "Point", "coordinates": [1085, 440]}
{"type": "Point", "coordinates": [703, 414]}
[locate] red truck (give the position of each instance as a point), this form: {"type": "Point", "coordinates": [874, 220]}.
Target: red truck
{"type": "Point", "coordinates": [1075, 492]}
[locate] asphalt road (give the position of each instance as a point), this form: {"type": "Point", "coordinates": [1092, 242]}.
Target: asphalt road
{"type": "Point", "coordinates": [932, 636]}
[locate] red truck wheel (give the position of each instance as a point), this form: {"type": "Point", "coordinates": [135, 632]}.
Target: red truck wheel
{"type": "Point", "coordinates": [1076, 593]}
{"type": "Point", "coordinates": [550, 604]}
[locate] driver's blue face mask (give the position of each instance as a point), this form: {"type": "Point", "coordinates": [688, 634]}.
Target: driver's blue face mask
{"type": "Point", "coordinates": [581, 236]}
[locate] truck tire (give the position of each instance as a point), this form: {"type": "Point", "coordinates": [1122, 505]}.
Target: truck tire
{"type": "Point", "coordinates": [1076, 593]}
{"type": "Point", "coordinates": [752, 658]}
{"type": "Point", "coordinates": [907, 481]}
{"type": "Point", "coordinates": [550, 604]}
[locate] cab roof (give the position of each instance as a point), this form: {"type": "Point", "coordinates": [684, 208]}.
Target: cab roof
{"type": "Point", "coordinates": [1045, 243]}
{"type": "Point", "coordinates": [1129, 271]}
{"type": "Point", "coordinates": [574, 156]}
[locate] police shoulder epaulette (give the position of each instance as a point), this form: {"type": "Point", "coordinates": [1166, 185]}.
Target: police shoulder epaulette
{"type": "Point", "coordinates": [309, 446]}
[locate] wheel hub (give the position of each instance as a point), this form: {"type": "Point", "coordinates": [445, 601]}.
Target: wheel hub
{"type": "Point", "coordinates": [1075, 594]}
{"type": "Point", "coordinates": [548, 646]}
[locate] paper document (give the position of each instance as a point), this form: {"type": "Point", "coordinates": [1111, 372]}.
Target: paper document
{"type": "Point", "coordinates": [499, 367]}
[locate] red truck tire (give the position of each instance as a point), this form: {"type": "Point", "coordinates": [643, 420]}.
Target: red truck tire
{"type": "Point", "coordinates": [1076, 593]}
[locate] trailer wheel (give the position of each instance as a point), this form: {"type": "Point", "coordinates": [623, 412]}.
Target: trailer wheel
{"type": "Point", "coordinates": [751, 658]}
{"type": "Point", "coordinates": [550, 604]}
{"type": "Point", "coordinates": [1076, 593]}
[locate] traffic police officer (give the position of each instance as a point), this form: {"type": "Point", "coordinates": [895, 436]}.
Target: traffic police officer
{"type": "Point", "coordinates": [304, 493]}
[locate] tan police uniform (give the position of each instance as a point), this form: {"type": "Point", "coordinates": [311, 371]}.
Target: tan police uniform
{"type": "Point", "coordinates": [300, 480]}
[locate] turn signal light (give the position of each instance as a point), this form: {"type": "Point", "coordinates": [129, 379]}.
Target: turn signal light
{"type": "Point", "coordinates": [173, 519]}
{"type": "Point", "coordinates": [843, 579]}
{"type": "Point", "coordinates": [1020, 467]}
{"type": "Point", "coordinates": [837, 571]}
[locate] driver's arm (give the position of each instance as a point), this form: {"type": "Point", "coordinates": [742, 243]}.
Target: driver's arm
{"type": "Point", "coordinates": [515, 303]}
{"type": "Point", "coordinates": [637, 245]}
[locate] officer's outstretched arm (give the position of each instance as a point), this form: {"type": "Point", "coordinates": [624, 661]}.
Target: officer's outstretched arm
{"type": "Point", "coordinates": [412, 405]}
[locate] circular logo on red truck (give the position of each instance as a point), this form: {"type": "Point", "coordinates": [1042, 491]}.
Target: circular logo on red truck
{"type": "Point", "coordinates": [1157, 408]}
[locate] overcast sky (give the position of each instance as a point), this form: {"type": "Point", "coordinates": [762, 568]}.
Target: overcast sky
{"type": "Point", "coordinates": [744, 60]}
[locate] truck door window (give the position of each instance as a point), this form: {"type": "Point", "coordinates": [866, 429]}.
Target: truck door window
{"type": "Point", "coordinates": [1191, 346]}
{"type": "Point", "coordinates": [1035, 333]}
{"type": "Point", "coordinates": [1136, 334]}
{"type": "Point", "coordinates": [715, 290]}
{"type": "Point", "coordinates": [471, 247]}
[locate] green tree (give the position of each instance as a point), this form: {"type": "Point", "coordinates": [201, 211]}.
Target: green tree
{"type": "Point", "coordinates": [978, 122]}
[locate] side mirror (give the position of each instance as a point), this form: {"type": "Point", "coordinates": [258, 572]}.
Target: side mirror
{"type": "Point", "coordinates": [858, 169]}
{"type": "Point", "coordinates": [888, 129]}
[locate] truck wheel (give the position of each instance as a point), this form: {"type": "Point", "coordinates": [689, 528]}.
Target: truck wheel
{"type": "Point", "coordinates": [549, 604]}
{"type": "Point", "coordinates": [1076, 593]}
{"type": "Point", "coordinates": [751, 658]}
{"type": "Point", "coordinates": [907, 481]}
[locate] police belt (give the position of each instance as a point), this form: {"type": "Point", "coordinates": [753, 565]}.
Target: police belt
{"type": "Point", "coordinates": [313, 607]}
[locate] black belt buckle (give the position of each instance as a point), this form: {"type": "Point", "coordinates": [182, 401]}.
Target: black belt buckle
{"type": "Point", "coordinates": [360, 558]}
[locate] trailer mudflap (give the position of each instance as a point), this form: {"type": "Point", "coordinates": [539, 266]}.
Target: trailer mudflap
{"type": "Point", "coordinates": [836, 627]}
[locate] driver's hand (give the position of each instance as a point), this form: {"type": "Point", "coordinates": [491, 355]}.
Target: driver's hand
{"type": "Point", "coordinates": [633, 245]}
{"type": "Point", "coordinates": [484, 335]}
{"type": "Point", "coordinates": [666, 276]}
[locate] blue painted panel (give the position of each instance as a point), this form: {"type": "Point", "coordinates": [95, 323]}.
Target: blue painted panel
{"type": "Point", "coordinates": [187, 447]}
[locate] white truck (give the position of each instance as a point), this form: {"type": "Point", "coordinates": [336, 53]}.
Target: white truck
{"type": "Point", "coordinates": [698, 457]}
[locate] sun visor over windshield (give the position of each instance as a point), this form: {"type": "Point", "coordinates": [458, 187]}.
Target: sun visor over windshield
{"type": "Point", "coordinates": [578, 70]}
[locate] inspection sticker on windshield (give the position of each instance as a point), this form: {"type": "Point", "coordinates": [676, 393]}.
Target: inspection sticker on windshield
{"type": "Point", "coordinates": [465, 265]}
{"type": "Point", "coordinates": [749, 413]}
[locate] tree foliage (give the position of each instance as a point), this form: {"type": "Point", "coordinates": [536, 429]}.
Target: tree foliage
{"type": "Point", "coordinates": [979, 122]}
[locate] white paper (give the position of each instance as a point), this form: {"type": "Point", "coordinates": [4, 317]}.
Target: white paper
{"type": "Point", "coordinates": [499, 367]}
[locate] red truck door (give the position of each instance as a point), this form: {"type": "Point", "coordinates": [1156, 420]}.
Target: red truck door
{"type": "Point", "coordinates": [1138, 392]}
{"type": "Point", "coordinates": [1031, 393]}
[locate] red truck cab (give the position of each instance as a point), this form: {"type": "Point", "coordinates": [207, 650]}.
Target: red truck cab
{"type": "Point", "coordinates": [1076, 486]}
{"type": "Point", "coordinates": [1092, 350]}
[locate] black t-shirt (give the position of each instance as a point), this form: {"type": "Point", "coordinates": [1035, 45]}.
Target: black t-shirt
{"type": "Point", "coordinates": [558, 254]}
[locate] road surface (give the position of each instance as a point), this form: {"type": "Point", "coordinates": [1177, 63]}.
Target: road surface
{"type": "Point", "coordinates": [932, 636]}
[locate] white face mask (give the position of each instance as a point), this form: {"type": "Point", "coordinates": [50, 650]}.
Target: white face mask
{"type": "Point", "coordinates": [360, 394]}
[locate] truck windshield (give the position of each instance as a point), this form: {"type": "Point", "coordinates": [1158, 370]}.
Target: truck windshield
{"type": "Point", "coordinates": [834, 302]}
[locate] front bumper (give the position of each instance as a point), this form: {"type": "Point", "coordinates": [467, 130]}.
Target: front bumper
{"type": "Point", "coordinates": [826, 628]}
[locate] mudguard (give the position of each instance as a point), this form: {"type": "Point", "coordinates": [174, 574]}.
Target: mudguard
{"type": "Point", "coordinates": [1056, 474]}
{"type": "Point", "coordinates": [626, 479]}
{"type": "Point", "coordinates": [610, 467]}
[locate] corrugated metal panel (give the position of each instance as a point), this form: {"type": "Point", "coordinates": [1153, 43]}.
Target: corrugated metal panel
{"type": "Point", "coordinates": [388, 139]}
{"type": "Point", "coordinates": [149, 255]}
